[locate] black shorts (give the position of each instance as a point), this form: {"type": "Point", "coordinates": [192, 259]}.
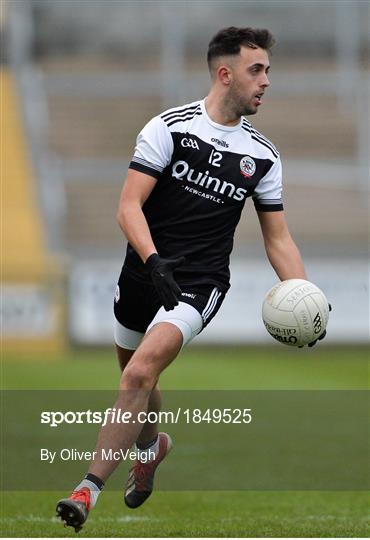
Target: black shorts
{"type": "Point", "coordinates": [136, 303]}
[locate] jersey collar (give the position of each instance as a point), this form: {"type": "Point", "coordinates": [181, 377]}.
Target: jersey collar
{"type": "Point", "coordinates": [214, 124]}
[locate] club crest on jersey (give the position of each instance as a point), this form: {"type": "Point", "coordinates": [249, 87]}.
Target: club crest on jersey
{"type": "Point", "coordinates": [247, 166]}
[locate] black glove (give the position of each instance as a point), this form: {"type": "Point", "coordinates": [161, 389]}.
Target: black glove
{"type": "Point", "coordinates": [320, 337]}
{"type": "Point", "coordinates": [161, 272]}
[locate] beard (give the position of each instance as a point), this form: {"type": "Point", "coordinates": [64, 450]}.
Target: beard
{"type": "Point", "coordinates": [239, 104]}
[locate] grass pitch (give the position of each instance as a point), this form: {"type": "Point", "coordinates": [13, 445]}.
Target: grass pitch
{"type": "Point", "coordinates": [202, 368]}
{"type": "Point", "coordinates": [199, 513]}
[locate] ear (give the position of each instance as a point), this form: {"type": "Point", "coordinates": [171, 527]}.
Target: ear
{"type": "Point", "coordinates": [224, 75]}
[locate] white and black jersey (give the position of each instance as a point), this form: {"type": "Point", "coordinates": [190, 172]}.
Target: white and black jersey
{"type": "Point", "coordinates": [204, 171]}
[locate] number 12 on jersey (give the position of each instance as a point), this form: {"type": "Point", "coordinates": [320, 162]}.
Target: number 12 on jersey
{"type": "Point", "coordinates": [215, 158]}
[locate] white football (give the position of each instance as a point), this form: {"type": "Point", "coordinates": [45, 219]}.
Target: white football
{"type": "Point", "coordinates": [295, 312]}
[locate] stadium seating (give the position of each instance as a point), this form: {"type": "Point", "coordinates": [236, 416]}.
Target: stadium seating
{"type": "Point", "coordinates": [30, 275]}
{"type": "Point", "coordinates": [94, 135]}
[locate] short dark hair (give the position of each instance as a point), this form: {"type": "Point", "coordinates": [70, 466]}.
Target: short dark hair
{"type": "Point", "coordinates": [229, 40]}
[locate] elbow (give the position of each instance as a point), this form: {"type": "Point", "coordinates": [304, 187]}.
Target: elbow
{"type": "Point", "coordinates": [276, 249]}
{"type": "Point", "coordinates": [271, 253]}
{"type": "Point", "coordinates": [270, 246]}
{"type": "Point", "coordinates": [121, 218]}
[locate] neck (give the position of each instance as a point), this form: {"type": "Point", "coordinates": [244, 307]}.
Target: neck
{"type": "Point", "coordinates": [220, 111]}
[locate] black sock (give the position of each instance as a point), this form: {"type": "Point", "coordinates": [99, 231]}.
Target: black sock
{"type": "Point", "coordinates": [95, 480]}
{"type": "Point", "coordinates": [145, 446]}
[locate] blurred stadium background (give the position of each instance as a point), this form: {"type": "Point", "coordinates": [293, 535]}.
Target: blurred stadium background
{"type": "Point", "coordinates": [79, 79]}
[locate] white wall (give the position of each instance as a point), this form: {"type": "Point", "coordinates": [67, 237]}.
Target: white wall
{"type": "Point", "coordinates": [345, 283]}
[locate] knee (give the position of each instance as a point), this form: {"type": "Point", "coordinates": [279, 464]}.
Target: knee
{"type": "Point", "coordinates": [138, 376]}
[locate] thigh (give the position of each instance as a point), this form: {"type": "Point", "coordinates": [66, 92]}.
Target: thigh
{"type": "Point", "coordinates": [124, 356]}
{"type": "Point", "coordinates": [160, 346]}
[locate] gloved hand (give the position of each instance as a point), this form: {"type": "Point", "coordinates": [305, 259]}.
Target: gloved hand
{"type": "Point", "coordinates": [320, 337]}
{"type": "Point", "coordinates": [161, 272]}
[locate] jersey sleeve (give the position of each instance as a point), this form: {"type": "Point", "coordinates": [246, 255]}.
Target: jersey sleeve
{"type": "Point", "coordinates": [154, 148]}
{"type": "Point", "coordinates": [267, 196]}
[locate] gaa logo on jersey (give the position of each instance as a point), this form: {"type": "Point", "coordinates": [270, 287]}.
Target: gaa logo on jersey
{"type": "Point", "coordinates": [247, 166]}
{"type": "Point", "coordinates": [117, 295]}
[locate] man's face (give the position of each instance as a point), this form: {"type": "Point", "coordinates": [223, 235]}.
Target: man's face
{"type": "Point", "coordinates": [248, 80]}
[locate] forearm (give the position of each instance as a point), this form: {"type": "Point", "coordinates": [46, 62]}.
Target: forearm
{"type": "Point", "coordinates": [285, 258]}
{"type": "Point", "coordinates": [135, 227]}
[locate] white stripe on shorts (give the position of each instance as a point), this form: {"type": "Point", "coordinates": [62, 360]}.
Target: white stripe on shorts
{"type": "Point", "coordinates": [211, 304]}
{"type": "Point", "coordinates": [214, 291]}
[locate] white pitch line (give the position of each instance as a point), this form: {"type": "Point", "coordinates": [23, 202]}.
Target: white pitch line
{"type": "Point", "coordinates": [39, 519]}
{"type": "Point", "coordinates": [29, 519]}
{"type": "Point", "coordinates": [132, 519]}
{"type": "Point", "coordinates": [125, 519]}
